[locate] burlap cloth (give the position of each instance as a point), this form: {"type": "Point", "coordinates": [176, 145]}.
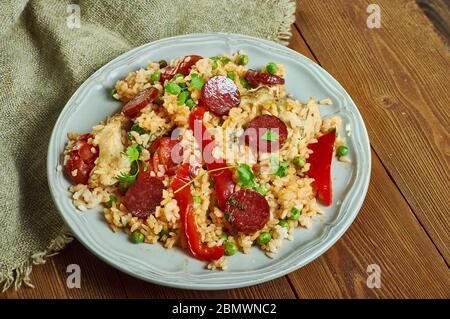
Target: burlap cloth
{"type": "Point", "coordinates": [44, 57]}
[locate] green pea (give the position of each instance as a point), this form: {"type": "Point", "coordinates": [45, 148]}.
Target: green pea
{"type": "Point", "coordinates": [231, 75]}
{"type": "Point", "coordinates": [178, 75]}
{"type": "Point", "coordinates": [190, 103]}
{"type": "Point", "coordinates": [111, 201]}
{"type": "Point", "coordinates": [224, 60]}
{"type": "Point", "coordinates": [295, 213]}
{"type": "Point", "coordinates": [244, 82]}
{"type": "Point", "coordinates": [173, 88]}
{"type": "Point", "coordinates": [243, 59]}
{"type": "Point", "coordinates": [264, 238]}
{"type": "Point", "coordinates": [271, 68]}
{"type": "Point", "coordinates": [283, 223]}
{"type": "Point", "coordinates": [299, 161]}
{"type": "Point", "coordinates": [155, 76]}
{"type": "Point", "coordinates": [196, 199]}
{"type": "Point", "coordinates": [230, 248]}
{"type": "Point", "coordinates": [162, 63]}
{"type": "Point", "coordinates": [214, 62]}
{"type": "Point", "coordinates": [135, 127]}
{"type": "Point", "coordinates": [223, 237]}
{"type": "Point", "coordinates": [342, 150]}
{"type": "Point", "coordinates": [182, 97]}
{"type": "Point", "coordinates": [137, 237]}
{"type": "Point", "coordinates": [197, 81]}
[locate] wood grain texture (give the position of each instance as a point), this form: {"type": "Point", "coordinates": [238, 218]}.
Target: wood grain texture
{"type": "Point", "coordinates": [275, 289]}
{"type": "Point", "coordinates": [438, 11]}
{"type": "Point", "coordinates": [386, 232]}
{"type": "Point", "coordinates": [399, 78]}
{"type": "Point", "coordinates": [99, 280]}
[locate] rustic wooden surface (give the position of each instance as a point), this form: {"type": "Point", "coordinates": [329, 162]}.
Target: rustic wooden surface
{"type": "Point", "coordinates": [398, 76]}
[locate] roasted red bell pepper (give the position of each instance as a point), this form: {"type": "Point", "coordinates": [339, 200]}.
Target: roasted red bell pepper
{"type": "Point", "coordinates": [183, 196]}
{"type": "Point", "coordinates": [223, 178]}
{"type": "Point", "coordinates": [320, 169]}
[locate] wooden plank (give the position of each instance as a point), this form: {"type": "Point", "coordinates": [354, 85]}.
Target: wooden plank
{"type": "Point", "coordinates": [385, 233]}
{"type": "Point", "coordinates": [438, 11]}
{"type": "Point", "coordinates": [398, 76]}
{"type": "Point", "coordinates": [278, 288]}
{"type": "Point", "coordinates": [98, 280]}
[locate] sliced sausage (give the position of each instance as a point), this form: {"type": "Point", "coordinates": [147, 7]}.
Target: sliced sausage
{"type": "Point", "coordinates": [78, 170]}
{"type": "Point", "coordinates": [183, 66]}
{"type": "Point", "coordinates": [82, 160]}
{"type": "Point", "coordinates": [142, 198]}
{"type": "Point", "coordinates": [141, 100]}
{"type": "Point", "coordinates": [254, 78]}
{"type": "Point", "coordinates": [247, 210]}
{"type": "Point", "coordinates": [257, 137]}
{"type": "Point", "coordinates": [220, 94]}
{"type": "Point", "coordinates": [170, 154]}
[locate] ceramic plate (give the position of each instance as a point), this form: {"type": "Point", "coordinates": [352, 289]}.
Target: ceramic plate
{"type": "Point", "coordinates": [91, 103]}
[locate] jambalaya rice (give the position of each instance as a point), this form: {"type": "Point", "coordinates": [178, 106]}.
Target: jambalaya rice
{"type": "Point", "coordinates": [105, 163]}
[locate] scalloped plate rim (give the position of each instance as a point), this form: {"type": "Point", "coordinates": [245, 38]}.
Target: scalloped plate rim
{"type": "Point", "coordinates": [332, 232]}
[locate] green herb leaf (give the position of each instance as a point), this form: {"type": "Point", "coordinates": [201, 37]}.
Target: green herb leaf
{"type": "Point", "coordinates": [133, 153]}
{"type": "Point", "coordinates": [279, 168]}
{"type": "Point", "coordinates": [111, 201]}
{"type": "Point", "coordinates": [138, 129]}
{"type": "Point", "coordinates": [190, 103]}
{"type": "Point", "coordinates": [173, 88]}
{"type": "Point", "coordinates": [182, 97]}
{"type": "Point", "coordinates": [246, 177]}
{"type": "Point", "coordinates": [197, 81]}
{"type": "Point", "coordinates": [126, 180]}
{"type": "Point", "coordinates": [176, 76]}
{"type": "Point", "coordinates": [270, 135]}
{"type": "Point", "coordinates": [196, 199]}
{"type": "Point", "coordinates": [261, 189]}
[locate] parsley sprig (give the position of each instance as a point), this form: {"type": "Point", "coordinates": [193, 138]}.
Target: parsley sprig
{"type": "Point", "coordinates": [201, 175]}
{"type": "Point", "coordinates": [247, 179]}
{"type": "Point", "coordinates": [279, 168]}
{"type": "Point", "coordinates": [126, 180]}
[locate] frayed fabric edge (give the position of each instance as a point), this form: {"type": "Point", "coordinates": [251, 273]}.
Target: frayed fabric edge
{"type": "Point", "coordinates": [20, 275]}
{"type": "Point", "coordinates": [283, 34]}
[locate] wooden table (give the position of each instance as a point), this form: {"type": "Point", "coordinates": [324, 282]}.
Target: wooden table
{"type": "Point", "coordinates": [398, 76]}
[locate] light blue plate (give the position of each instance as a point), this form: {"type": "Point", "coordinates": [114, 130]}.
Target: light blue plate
{"type": "Point", "coordinates": [91, 103]}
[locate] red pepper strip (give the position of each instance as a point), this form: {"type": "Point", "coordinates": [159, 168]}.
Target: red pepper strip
{"type": "Point", "coordinates": [223, 179]}
{"type": "Point", "coordinates": [184, 199]}
{"type": "Point", "coordinates": [320, 168]}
